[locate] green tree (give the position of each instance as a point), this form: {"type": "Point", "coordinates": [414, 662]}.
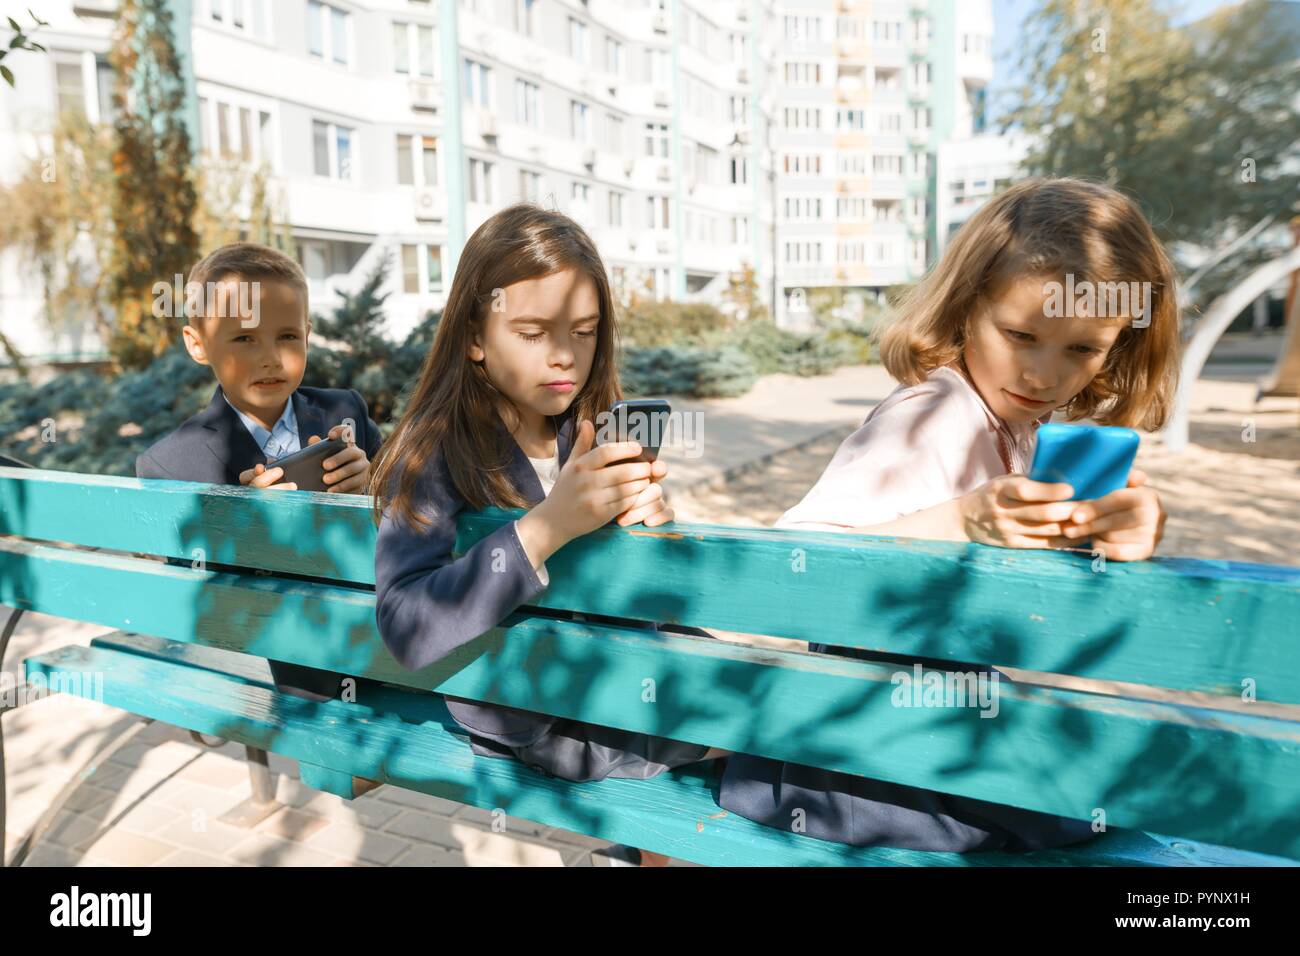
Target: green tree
{"type": "Point", "coordinates": [57, 215]}
{"type": "Point", "coordinates": [1198, 124]}
{"type": "Point", "coordinates": [154, 196]}
{"type": "Point", "coordinates": [19, 41]}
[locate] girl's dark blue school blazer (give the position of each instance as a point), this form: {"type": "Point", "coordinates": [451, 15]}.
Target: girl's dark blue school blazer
{"type": "Point", "coordinates": [427, 604]}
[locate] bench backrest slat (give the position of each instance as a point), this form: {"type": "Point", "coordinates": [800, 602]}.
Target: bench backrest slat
{"type": "Point", "coordinates": [1216, 627]}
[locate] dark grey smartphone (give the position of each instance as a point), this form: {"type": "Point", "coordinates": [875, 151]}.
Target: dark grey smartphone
{"type": "Point", "coordinates": [642, 420]}
{"type": "Point", "coordinates": [304, 468]}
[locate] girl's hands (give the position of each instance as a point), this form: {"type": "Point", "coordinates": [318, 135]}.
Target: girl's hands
{"type": "Point", "coordinates": [586, 495]}
{"type": "Point", "coordinates": [1012, 511]}
{"type": "Point", "coordinates": [1125, 525]}
{"type": "Point", "coordinates": [649, 507]}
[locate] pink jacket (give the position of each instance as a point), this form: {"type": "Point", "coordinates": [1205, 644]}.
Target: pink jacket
{"type": "Point", "coordinates": [923, 445]}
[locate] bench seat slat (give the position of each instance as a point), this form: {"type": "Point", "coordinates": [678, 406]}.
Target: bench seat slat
{"type": "Point", "coordinates": [675, 814]}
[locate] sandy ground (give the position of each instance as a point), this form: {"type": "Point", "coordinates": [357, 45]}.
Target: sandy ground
{"type": "Point", "coordinates": [1227, 496]}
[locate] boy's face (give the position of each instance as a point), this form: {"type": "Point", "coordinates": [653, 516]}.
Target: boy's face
{"type": "Point", "coordinates": [539, 340]}
{"type": "Point", "coordinates": [258, 367]}
{"type": "Point", "coordinates": [1025, 361]}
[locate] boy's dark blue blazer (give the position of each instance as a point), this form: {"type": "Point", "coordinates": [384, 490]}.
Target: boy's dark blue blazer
{"type": "Point", "coordinates": [214, 447]}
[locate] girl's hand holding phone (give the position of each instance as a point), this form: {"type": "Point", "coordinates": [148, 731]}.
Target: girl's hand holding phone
{"type": "Point", "coordinates": [1125, 525]}
{"type": "Point", "coordinates": [595, 485]}
{"type": "Point", "coordinates": [1013, 511]}
{"type": "Point", "coordinates": [649, 508]}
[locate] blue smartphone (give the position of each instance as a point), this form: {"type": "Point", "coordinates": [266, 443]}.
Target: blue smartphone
{"type": "Point", "coordinates": [1094, 460]}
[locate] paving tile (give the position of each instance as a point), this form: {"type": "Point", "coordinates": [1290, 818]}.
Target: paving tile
{"type": "Point", "coordinates": [188, 857]}
{"type": "Point", "coordinates": [418, 801]}
{"type": "Point", "coordinates": [128, 849]}
{"type": "Point", "coordinates": [262, 849]}
{"type": "Point", "coordinates": [203, 836]}
{"type": "Point", "coordinates": [425, 827]}
{"type": "Point", "coordinates": [291, 824]}
{"type": "Point", "coordinates": [424, 854]}
{"type": "Point", "coordinates": [353, 842]}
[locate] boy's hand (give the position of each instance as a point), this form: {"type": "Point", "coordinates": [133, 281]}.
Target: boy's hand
{"type": "Point", "coordinates": [348, 471]}
{"type": "Point", "coordinates": [259, 476]}
{"type": "Point", "coordinates": [649, 508]}
{"type": "Point", "coordinates": [1125, 525]}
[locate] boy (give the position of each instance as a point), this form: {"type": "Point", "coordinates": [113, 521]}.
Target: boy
{"type": "Point", "coordinates": [251, 328]}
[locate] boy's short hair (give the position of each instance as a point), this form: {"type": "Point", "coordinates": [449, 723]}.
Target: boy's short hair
{"type": "Point", "coordinates": [249, 261]}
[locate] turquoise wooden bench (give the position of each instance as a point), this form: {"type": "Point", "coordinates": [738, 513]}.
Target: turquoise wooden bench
{"type": "Point", "coordinates": [1179, 783]}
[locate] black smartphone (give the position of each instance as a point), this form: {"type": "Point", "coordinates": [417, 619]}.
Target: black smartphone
{"type": "Point", "coordinates": [304, 467]}
{"type": "Point", "coordinates": [642, 420]}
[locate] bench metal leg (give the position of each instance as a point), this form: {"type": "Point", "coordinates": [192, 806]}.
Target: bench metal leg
{"type": "Point", "coordinates": [262, 803]}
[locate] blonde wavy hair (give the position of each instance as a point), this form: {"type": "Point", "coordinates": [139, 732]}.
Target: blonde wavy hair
{"type": "Point", "coordinates": [1050, 228]}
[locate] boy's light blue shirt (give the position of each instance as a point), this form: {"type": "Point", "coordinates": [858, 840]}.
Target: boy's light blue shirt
{"type": "Point", "coordinates": [279, 441]}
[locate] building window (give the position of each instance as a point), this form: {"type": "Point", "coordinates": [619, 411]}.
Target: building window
{"type": "Point", "coordinates": [739, 170]}
{"type": "Point", "coordinates": [657, 212]}
{"type": "Point", "coordinates": [413, 44]}
{"type": "Point", "coordinates": [480, 180]}
{"type": "Point", "coordinates": [613, 56]}
{"type": "Point", "coordinates": [579, 121]}
{"type": "Point", "coordinates": [887, 32]}
{"type": "Point", "coordinates": [530, 185]}
{"type": "Point", "coordinates": [578, 40]}
{"type": "Point", "coordinates": [410, 269]}
{"type": "Point", "coordinates": [70, 88]}
{"type": "Point", "coordinates": [331, 150]}
{"type": "Point", "coordinates": [616, 203]}
{"type": "Point", "coordinates": [328, 30]}
{"type": "Point", "coordinates": [478, 84]}
{"type": "Point", "coordinates": [656, 140]}
{"type": "Point", "coordinates": [433, 261]}
{"type": "Point", "coordinates": [614, 133]}
{"type": "Point", "coordinates": [526, 96]}
{"type": "Point", "coordinates": [417, 160]}
{"type": "Point", "coordinates": [525, 21]}
{"type": "Point", "coordinates": [887, 165]}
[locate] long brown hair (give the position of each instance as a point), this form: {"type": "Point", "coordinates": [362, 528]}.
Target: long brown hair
{"type": "Point", "coordinates": [1050, 227]}
{"type": "Point", "coordinates": [453, 412]}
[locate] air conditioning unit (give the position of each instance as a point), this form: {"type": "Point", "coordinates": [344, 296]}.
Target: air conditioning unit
{"type": "Point", "coordinates": [425, 95]}
{"type": "Point", "coordinates": [631, 243]}
{"type": "Point", "coordinates": [613, 90]}
{"type": "Point", "coordinates": [428, 204]}
{"type": "Point", "coordinates": [742, 11]}
{"type": "Point", "coordinates": [664, 247]}
{"type": "Point", "coordinates": [661, 99]}
{"type": "Point", "coordinates": [660, 23]}
{"type": "Point", "coordinates": [589, 156]}
{"type": "Point", "coordinates": [487, 125]}
{"type": "Point", "coordinates": [742, 75]}
{"type": "Point", "coordinates": [690, 184]}
{"type": "Point", "coordinates": [664, 173]}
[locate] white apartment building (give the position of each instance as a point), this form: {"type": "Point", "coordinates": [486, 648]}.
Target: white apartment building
{"type": "Point", "coordinates": [868, 90]}
{"type": "Point", "coordinates": [692, 139]}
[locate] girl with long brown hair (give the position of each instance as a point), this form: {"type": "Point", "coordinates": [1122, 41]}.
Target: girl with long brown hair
{"type": "Point", "coordinates": [503, 414]}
